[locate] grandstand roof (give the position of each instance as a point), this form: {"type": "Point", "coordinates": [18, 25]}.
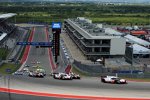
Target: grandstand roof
{"type": "Point", "coordinates": [137, 49]}
{"type": "Point", "coordinates": [8, 15]}
{"type": "Point", "coordinates": [92, 31]}
{"type": "Point", "coordinates": [2, 36]}
{"type": "Point", "coordinates": [136, 40]}
{"type": "Point", "coordinates": [113, 32]}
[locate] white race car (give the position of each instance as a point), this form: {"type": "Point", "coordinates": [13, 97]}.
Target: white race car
{"type": "Point", "coordinates": [35, 62]}
{"type": "Point", "coordinates": [113, 79]}
{"type": "Point", "coordinates": [52, 74]}
{"type": "Point", "coordinates": [18, 73]}
{"type": "Point", "coordinates": [40, 70]}
{"type": "Point", "coordinates": [62, 76]}
{"type": "Point", "coordinates": [26, 65]}
{"type": "Point", "coordinates": [25, 70]}
{"type": "Point", "coordinates": [36, 74]}
{"type": "Point", "coordinates": [74, 76]}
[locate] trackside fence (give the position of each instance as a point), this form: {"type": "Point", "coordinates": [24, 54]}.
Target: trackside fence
{"type": "Point", "coordinates": [100, 70]}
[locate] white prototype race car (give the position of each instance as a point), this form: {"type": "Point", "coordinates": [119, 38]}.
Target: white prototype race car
{"type": "Point", "coordinates": [36, 74]}
{"type": "Point", "coordinates": [52, 74]}
{"type": "Point", "coordinates": [62, 76]}
{"type": "Point", "coordinates": [113, 79]}
{"type": "Point", "coordinates": [75, 76]}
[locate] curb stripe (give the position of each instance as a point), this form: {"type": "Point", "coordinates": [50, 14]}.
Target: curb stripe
{"type": "Point", "coordinates": [27, 48]}
{"type": "Point", "coordinates": [24, 92]}
{"type": "Point", "coordinates": [50, 52]}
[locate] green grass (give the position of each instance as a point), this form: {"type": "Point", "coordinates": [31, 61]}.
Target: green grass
{"type": "Point", "coordinates": [5, 66]}
{"type": "Point", "coordinates": [3, 53]}
{"type": "Point", "coordinates": [122, 20]}
{"type": "Point", "coordinates": [22, 52]}
{"type": "Point", "coordinates": [49, 12]}
{"type": "Point", "coordinates": [114, 19]}
{"type": "Point", "coordinates": [109, 18]}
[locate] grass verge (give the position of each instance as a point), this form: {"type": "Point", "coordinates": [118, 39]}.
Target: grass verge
{"type": "Point", "coordinates": [3, 53]}
{"type": "Point", "coordinates": [5, 66]}
{"type": "Point", "coordinates": [22, 52]}
{"type": "Point", "coordinates": [122, 20]}
{"type": "Point", "coordinates": [13, 67]}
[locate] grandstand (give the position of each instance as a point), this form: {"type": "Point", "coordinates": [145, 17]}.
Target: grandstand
{"type": "Point", "coordinates": [9, 35]}
{"type": "Point", "coordinates": [6, 28]}
{"type": "Point", "coordinates": [135, 40]}
{"type": "Point", "coordinates": [2, 35]}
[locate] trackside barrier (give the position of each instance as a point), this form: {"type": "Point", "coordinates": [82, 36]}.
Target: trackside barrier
{"type": "Point", "coordinates": [21, 48]}
{"type": "Point", "coordinates": [52, 63]}
{"type": "Point", "coordinates": [27, 49]}
{"type": "Point", "coordinates": [99, 70]}
{"type": "Point", "coordinates": [93, 68]}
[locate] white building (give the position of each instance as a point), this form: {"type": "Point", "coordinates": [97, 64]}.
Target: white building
{"type": "Point", "coordinates": [94, 40]}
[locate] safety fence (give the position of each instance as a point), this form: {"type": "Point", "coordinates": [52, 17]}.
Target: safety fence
{"type": "Point", "coordinates": [19, 49]}
{"type": "Point", "coordinates": [100, 70]}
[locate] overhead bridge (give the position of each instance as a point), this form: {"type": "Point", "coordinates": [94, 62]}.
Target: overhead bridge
{"type": "Point", "coordinates": [37, 44]}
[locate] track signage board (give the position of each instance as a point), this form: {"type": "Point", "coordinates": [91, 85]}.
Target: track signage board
{"type": "Point", "coordinates": [56, 30]}
{"type": "Point", "coordinates": [35, 43]}
{"type": "Point", "coordinates": [56, 25]}
{"type": "Point", "coordinates": [129, 55]}
{"type": "Point", "coordinates": [8, 70]}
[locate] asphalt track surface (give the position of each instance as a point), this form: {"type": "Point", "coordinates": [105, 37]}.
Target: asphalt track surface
{"type": "Point", "coordinates": [27, 97]}
{"type": "Point", "coordinates": [39, 54]}
{"type": "Point", "coordinates": [85, 87]}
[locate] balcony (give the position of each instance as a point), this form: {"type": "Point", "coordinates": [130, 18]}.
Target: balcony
{"type": "Point", "coordinates": [88, 44]}
{"type": "Point", "coordinates": [96, 53]}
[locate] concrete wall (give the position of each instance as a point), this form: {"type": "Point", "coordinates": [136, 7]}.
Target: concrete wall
{"type": "Point", "coordinates": [118, 46]}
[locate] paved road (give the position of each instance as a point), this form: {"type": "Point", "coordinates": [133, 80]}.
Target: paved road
{"type": "Point", "coordinates": [39, 54]}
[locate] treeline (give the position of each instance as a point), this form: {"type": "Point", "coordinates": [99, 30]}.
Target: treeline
{"type": "Point", "coordinates": [57, 8]}
{"type": "Point", "coordinates": [139, 14]}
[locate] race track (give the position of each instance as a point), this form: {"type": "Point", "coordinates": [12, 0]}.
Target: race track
{"type": "Point", "coordinates": [87, 86]}
{"type": "Point", "coordinates": [39, 54]}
